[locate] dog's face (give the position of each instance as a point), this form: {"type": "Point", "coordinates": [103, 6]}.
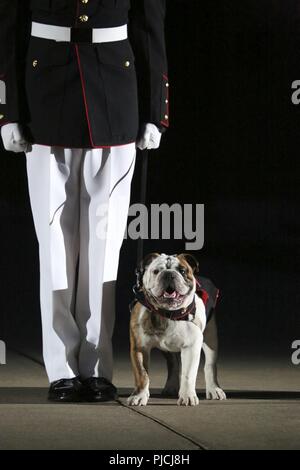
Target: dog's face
{"type": "Point", "coordinates": [169, 280]}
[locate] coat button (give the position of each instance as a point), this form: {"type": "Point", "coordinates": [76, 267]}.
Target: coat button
{"type": "Point", "coordinates": [167, 85]}
{"type": "Point", "coordinates": [83, 18]}
{"type": "Point", "coordinates": [166, 117]}
{"type": "Point", "coordinates": [167, 101]}
{"type": "Point", "coordinates": [1, 116]}
{"type": "Point", "coordinates": [34, 63]}
{"type": "Point", "coordinates": [84, 1]}
{"type": "Point", "coordinates": [127, 63]}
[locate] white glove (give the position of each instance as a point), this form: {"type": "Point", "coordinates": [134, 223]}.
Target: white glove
{"type": "Point", "coordinates": [13, 138]}
{"type": "Point", "coordinates": [150, 137]}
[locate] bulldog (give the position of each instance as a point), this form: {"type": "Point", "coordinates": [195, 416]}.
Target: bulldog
{"type": "Point", "coordinates": [174, 311]}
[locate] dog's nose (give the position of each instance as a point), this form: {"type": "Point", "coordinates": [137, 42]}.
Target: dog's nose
{"type": "Point", "coordinates": [169, 276]}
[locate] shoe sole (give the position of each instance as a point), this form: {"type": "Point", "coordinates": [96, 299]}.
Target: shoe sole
{"type": "Point", "coordinates": [74, 399]}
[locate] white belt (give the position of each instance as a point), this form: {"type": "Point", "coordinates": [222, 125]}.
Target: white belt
{"type": "Point", "coordinates": [65, 34]}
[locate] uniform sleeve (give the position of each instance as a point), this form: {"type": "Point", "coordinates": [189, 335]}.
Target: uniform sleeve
{"type": "Point", "coordinates": [14, 34]}
{"type": "Point", "coordinates": [147, 37]}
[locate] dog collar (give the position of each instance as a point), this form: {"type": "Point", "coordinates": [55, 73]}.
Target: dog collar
{"type": "Point", "coordinates": [181, 313]}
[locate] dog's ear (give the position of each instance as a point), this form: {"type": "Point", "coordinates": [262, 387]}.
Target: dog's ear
{"type": "Point", "coordinates": [139, 272]}
{"type": "Point", "coordinates": [191, 260]}
{"type": "Point", "coordinates": [148, 259]}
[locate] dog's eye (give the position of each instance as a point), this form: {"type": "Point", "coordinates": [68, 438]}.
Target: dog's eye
{"type": "Point", "coordinates": [156, 271]}
{"type": "Point", "coordinates": [182, 271]}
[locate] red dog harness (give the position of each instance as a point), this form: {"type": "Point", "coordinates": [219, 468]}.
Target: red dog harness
{"type": "Point", "coordinates": [205, 289]}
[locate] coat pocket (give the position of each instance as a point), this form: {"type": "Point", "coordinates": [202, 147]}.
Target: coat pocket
{"type": "Point", "coordinates": [116, 54]}
{"type": "Point", "coordinates": [117, 73]}
{"type": "Point", "coordinates": [47, 70]}
{"type": "Point", "coordinates": [46, 53]}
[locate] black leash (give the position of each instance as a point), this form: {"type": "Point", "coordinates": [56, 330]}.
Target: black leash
{"type": "Point", "coordinates": [143, 192]}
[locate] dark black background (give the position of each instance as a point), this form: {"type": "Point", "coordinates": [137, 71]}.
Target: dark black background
{"type": "Point", "coordinates": [233, 145]}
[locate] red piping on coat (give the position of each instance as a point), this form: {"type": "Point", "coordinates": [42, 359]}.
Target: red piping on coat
{"type": "Point", "coordinates": [84, 95]}
{"type": "Point", "coordinates": [163, 122]}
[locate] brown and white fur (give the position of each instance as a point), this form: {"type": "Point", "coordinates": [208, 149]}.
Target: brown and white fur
{"type": "Point", "coordinates": [180, 341]}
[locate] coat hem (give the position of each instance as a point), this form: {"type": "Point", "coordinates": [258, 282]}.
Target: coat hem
{"type": "Point", "coordinates": [83, 146]}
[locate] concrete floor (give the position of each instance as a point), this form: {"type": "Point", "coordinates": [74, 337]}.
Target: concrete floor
{"type": "Point", "coordinates": [262, 411]}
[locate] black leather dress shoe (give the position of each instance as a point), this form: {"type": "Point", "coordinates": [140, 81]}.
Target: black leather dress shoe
{"type": "Point", "coordinates": [65, 390]}
{"type": "Point", "coordinates": [98, 389]}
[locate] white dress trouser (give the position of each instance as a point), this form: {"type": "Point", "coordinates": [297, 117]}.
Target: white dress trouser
{"type": "Point", "coordinates": [79, 200]}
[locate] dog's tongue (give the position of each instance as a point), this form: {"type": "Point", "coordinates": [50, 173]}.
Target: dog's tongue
{"type": "Point", "coordinates": [171, 295]}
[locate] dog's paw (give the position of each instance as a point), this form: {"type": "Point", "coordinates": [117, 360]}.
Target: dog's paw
{"type": "Point", "coordinates": [138, 398]}
{"type": "Point", "coordinates": [188, 399]}
{"type": "Point", "coordinates": [215, 393]}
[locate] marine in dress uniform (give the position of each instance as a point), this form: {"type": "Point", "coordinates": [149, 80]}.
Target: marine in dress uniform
{"type": "Point", "coordinates": [82, 83]}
